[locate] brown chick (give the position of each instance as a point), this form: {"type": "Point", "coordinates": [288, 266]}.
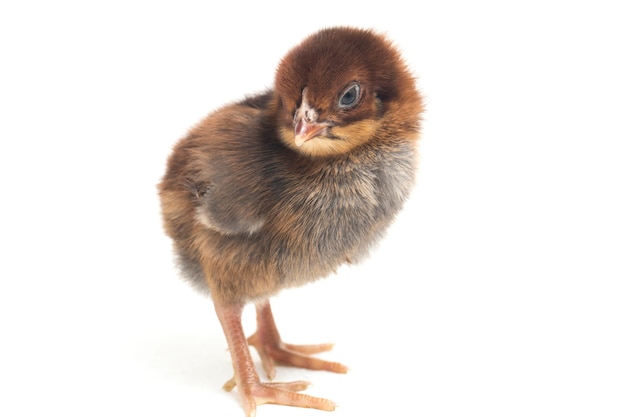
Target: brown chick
{"type": "Point", "coordinates": [280, 189]}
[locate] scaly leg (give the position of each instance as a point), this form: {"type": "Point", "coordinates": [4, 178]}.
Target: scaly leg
{"type": "Point", "coordinates": [251, 390]}
{"type": "Point", "coordinates": [273, 351]}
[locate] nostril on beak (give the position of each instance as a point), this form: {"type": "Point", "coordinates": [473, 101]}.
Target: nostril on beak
{"type": "Point", "coordinates": [310, 116]}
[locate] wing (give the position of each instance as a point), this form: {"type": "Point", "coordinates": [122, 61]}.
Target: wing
{"type": "Point", "coordinates": [219, 168]}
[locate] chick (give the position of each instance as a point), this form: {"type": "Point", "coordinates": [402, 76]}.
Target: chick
{"type": "Point", "coordinates": [281, 188]}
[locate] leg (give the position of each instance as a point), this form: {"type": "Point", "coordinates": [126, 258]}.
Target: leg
{"type": "Point", "coordinates": [251, 390]}
{"type": "Point", "coordinates": [273, 351]}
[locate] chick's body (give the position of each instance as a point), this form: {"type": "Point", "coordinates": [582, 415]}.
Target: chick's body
{"type": "Point", "coordinates": [261, 217]}
{"type": "Point", "coordinates": [281, 188]}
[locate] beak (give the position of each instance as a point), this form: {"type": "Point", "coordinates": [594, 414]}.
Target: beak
{"type": "Point", "coordinates": [305, 131]}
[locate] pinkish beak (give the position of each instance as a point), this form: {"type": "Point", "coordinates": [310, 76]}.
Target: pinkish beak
{"type": "Point", "coordinates": [305, 131]}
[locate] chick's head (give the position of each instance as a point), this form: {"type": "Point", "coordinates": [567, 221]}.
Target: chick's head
{"type": "Point", "coordinates": [342, 88]}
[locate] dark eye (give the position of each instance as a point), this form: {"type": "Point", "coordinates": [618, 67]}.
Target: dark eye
{"type": "Point", "coordinates": [350, 97]}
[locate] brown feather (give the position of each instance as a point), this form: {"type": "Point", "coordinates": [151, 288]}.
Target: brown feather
{"type": "Point", "coordinates": [251, 213]}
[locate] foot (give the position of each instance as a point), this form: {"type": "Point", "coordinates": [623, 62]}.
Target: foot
{"type": "Point", "coordinates": [273, 351]}
{"type": "Point", "coordinates": [255, 393]}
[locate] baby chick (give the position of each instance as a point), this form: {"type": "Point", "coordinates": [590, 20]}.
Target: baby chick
{"type": "Point", "coordinates": [281, 188]}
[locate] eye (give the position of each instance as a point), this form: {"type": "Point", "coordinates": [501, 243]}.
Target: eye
{"type": "Point", "coordinates": [350, 96]}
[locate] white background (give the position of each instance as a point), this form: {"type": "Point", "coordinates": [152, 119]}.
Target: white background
{"type": "Point", "coordinates": [500, 291]}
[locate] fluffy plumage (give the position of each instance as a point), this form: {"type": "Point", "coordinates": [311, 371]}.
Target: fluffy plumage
{"type": "Point", "coordinates": [281, 188]}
